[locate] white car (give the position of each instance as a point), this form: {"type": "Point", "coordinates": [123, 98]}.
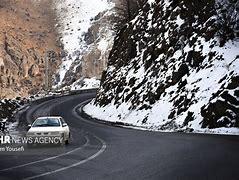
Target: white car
{"type": "Point", "coordinates": [49, 127]}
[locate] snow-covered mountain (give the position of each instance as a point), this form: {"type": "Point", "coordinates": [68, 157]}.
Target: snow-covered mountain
{"type": "Point", "coordinates": [86, 32]}
{"type": "Point", "coordinates": [175, 66]}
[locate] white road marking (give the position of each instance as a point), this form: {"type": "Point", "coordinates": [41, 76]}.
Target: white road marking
{"type": "Point", "coordinates": [47, 159]}
{"type": "Point", "coordinates": [103, 147]}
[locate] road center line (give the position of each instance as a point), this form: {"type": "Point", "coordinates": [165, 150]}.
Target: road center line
{"type": "Point", "coordinates": [47, 159]}
{"type": "Point", "coordinates": [103, 147]}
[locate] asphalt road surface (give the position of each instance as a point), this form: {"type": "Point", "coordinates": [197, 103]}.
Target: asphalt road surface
{"type": "Point", "coordinates": [98, 151]}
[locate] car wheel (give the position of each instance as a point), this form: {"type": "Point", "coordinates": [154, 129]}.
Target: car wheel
{"type": "Point", "coordinates": [67, 141]}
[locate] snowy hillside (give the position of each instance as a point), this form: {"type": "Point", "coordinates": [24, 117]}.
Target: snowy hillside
{"type": "Point", "coordinates": [175, 68]}
{"type": "Point", "coordinates": [83, 31]}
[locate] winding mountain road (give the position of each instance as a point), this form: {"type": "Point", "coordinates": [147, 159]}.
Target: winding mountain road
{"type": "Point", "coordinates": [99, 151]}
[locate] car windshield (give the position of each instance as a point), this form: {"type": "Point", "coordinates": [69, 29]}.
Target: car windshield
{"type": "Point", "coordinates": [46, 122]}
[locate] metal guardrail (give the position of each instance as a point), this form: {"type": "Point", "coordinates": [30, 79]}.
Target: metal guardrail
{"type": "Point", "coordinates": [53, 96]}
{"type": "Point", "coordinates": [69, 93]}
{"type": "Point", "coordinates": [83, 91]}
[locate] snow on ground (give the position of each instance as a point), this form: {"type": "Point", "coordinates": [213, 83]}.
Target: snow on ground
{"type": "Point", "coordinates": [86, 83]}
{"type": "Point", "coordinates": [75, 17]}
{"type": "Point", "coordinates": [204, 83]}
{"type": "Point", "coordinates": [205, 79]}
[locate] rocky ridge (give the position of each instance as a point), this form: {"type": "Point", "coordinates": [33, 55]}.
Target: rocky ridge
{"type": "Point", "coordinates": [174, 66]}
{"type": "Point", "coordinates": [27, 33]}
{"type": "Point", "coordinates": [87, 32]}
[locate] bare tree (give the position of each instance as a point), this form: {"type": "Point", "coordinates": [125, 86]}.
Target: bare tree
{"type": "Point", "coordinates": [127, 9]}
{"type": "Point", "coordinates": [227, 19]}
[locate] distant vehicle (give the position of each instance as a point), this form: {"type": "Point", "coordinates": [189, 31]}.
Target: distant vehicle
{"type": "Point", "coordinates": [52, 126]}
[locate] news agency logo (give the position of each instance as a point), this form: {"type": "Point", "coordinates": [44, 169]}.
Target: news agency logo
{"type": "Point", "coordinates": [5, 139]}
{"type": "Point", "coordinates": [30, 140]}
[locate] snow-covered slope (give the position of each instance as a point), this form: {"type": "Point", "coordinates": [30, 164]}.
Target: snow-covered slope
{"type": "Point", "coordinates": [175, 68]}
{"type": "Point", "coordinates": [86, 36]}
{"type": "Point", "coordinates": [86, 83]}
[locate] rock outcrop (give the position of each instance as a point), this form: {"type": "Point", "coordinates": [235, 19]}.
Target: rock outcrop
{"type": "Point", "coordinates": [27, 33]}
{"type": "Point", "coordinates": [174, 66]}
{"type": "Point", "coordinates": [87, 32]}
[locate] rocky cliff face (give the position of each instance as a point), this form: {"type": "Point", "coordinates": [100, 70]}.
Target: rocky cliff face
{"type": "Point", "coordinates": [86, 31]}
{"type": "Point", "coordinates": [174, 66]}
{"type": "Point", "coordinates": [26, 34]}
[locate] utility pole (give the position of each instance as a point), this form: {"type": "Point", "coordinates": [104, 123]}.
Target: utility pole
{"type": "Point", "coordinates": [48, 78]}
{"type": "Point", "coordinates": [50, 58]}
{"type": "Point", "coordinates": [1, 81]}
{"type": "Point", "coordinates": [46, 73]}
{"type": "Point", "coordinates": [1, 88]}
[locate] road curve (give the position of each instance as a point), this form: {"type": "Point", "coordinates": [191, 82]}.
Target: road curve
{"type": "Point", "coordinates": [99, 151]}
